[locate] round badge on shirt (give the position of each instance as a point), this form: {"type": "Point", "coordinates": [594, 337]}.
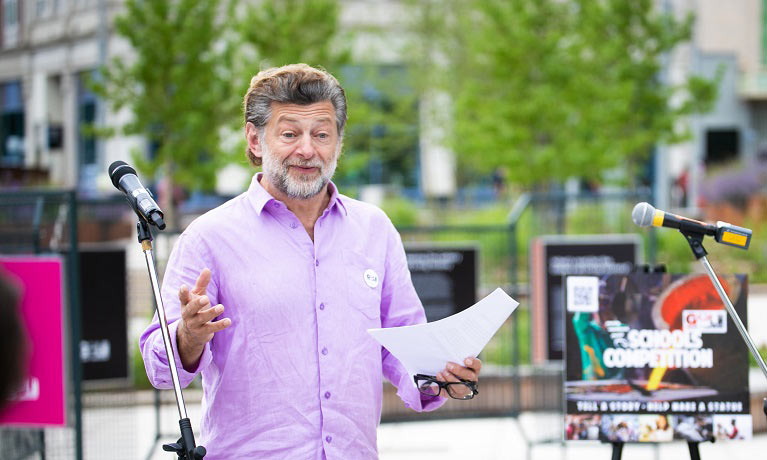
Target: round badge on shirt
{"type": "Point", "coordinates": [371, 277]}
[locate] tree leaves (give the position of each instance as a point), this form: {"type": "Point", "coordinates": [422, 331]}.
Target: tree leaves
{"type": "Point", "coordinates": [556, 89]}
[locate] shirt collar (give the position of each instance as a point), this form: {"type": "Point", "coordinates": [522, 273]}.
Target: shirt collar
{"type": "Point", "coordinates": [259, 197]}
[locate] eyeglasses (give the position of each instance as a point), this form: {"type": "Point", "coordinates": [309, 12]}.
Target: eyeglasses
{"type": "Point", "coordinates": [430, 386]}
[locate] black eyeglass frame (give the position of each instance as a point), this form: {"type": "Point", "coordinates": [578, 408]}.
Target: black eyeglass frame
{"type": "Point", "coordinates": [471, 384]}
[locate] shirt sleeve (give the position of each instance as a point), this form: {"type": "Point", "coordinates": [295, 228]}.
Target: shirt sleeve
{"type": "Point", "coordinates": [184, 266]}
{"type": "Point", "coordinates": [400, 306]}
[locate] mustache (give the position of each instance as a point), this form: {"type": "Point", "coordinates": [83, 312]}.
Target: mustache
{"type": "Point", "coordinates": [304, 164]}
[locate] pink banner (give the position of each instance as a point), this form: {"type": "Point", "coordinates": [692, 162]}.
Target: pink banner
{"type": "Point", "coordinates": [41, 401]}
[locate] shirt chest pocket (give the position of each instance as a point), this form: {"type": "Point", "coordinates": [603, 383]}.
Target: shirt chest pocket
{"type": "Point", "coordinates": [364, 279]}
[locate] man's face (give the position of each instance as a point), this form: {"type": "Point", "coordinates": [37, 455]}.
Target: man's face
{"type": "Point", "coordinates": [299, 148]}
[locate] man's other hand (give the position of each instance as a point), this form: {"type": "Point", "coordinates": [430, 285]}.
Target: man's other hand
{"type": "Point", "coordinates": [197, 326]}
{"type": "Point", "coordinates": [455, 373]}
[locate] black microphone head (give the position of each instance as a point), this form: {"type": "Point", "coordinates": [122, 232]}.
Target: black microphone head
{"type": "Point", "coordinates": [643, 214]}
{"type": "Point", "coordinates": [117, 170]}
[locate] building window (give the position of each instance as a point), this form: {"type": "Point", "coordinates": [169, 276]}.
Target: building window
{"type": "Point", "coordinates": [42, 9]}
{"type": "Point", "coordinates": [11, 13]}
{"type": "Point", "coordinates": [722, 145]}
{"type": "Point", "coordinates": [11, 125]}
{"type": "Point", "coordinates": [45, 9]}
{"type": "Point", "coordinates": [87, 145]}
{"type": "Point", "coordinates": [10, 27]}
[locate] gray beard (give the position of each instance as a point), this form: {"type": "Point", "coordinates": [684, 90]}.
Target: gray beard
{"type": "Point", "coordinates": [304, 188]}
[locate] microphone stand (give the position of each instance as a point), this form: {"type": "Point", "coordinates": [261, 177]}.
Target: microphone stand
{"type": "Point", "coordinates": [695, 239]}
{"type": "Point", "coordinates": [184, 447]}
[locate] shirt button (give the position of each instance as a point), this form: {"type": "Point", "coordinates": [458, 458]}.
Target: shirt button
{"type": "Point", "coordinates": [324, 351]}
{"type": "Point", "coordinates": [328, 438]}
{"type": "Point", "coordinates": [322, 306]}
{"type": "Point", "coordinates": [327, 395]}
{"type": "Point", "coordinates": [316, 263]}
{"type": "Point", "coordinates": [276, 205]}
{"type": "Point", "coordinates": [293, 225]}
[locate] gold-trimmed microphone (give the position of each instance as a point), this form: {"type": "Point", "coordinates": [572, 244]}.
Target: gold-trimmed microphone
{"type": "Point", "coordinates": [645, 215]}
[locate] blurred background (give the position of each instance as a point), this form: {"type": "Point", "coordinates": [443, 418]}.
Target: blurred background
{"type": "Point", "coordinates": [477, 125]}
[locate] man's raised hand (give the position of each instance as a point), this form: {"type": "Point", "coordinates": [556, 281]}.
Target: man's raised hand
{"type": "Point", "coordinates": [197, 326]}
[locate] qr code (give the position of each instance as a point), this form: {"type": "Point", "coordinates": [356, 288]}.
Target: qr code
{"type": "Point", "coordinates": [583, 294]}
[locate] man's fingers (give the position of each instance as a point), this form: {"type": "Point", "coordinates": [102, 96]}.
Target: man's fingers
{"type": "Point", "coordinates": [451, 376]}
{"type": "Point", "coordinates": [193, 307]}
{"type": "Point", "coordinates": [461, 372]}
{"type": "Point", "coordinates": [215, 326]}
{"type": "Point", "coordinates": [207, 314]}
{"type": "Point", "coordinates": [474, 364]}
{"type": "Point", "coordinates": [183, 294]}
{"type": "Point", "coordinates": [202, 282]}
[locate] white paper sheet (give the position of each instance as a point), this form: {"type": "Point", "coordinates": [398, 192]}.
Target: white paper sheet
{"type": "Point", "coordinates": [426, 348]}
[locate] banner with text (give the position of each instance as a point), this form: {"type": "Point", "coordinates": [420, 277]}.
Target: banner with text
{"type": "Point", "coordinates": [654, 357]}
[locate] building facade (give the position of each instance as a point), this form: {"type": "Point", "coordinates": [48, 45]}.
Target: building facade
{"type": "Point", "coordinates": [730, 43]}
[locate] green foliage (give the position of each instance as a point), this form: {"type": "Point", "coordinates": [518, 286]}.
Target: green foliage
{"type": "Point", "coordinates": [762, 352]}
{"type": "Point", "coordinates": [140, 379]}
{"type": "Point", "coordinates": [500, 348]}
{"type": "Point", "coordinates": [556, 89]}
{"type": "Point", "coordinates": [381, 141]}
{"type": "Point", "coordinates": [674, 251]}
{"type": "Point", "coordinates": [289, 31]}
{"type": "Point", "coordinates": [176, 86]}
{"type": "Point", "coordinates": [402, 212]}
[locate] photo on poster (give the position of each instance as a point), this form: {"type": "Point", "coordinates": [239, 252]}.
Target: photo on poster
{"type": "Point", "coordinates": [659, 345]}
{"type": "Point", "coordinates": [620, 428]}
{"type": "Point", "coordinates": [582, 427]}
{"type": "Point", "coordinates": [694, 428]}
{"type": "Point", "coordinates": [732, 427]}
{"type": "Point", "coordinates": [655, 428]}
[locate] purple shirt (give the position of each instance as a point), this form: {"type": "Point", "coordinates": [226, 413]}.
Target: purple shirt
{"type": "Point", "coordinates": [296, 375]}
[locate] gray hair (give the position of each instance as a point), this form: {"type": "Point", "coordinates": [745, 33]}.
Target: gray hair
{"type": "Point", "coordinates": [291, 84]}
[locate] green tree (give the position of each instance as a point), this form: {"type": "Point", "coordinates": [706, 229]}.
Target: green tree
{"type": "Point", "coordinates": [555, 89]}
{"type": "Point", "coordinates": [382, 138]}
{"type": "Point", "coordinates": [282, 32]}
{"type": "Point", "coordinates": [177, 86]}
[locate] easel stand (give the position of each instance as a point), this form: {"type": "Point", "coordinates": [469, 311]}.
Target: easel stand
{"type": "Point", "coordinates": [691, 446]}
{"type": "Point", "coordinates": [695, 240]}
{"type": "Point", "coordinates": [184, 447]}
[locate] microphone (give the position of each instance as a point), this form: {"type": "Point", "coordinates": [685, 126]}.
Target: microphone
{"type": "Point", "coordinates": [645, 215]}
{"type": "Point", "coordinates": [125, 179]}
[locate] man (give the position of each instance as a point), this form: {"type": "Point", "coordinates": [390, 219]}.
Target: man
{"type": "Point", "coordinates": [289, 371]}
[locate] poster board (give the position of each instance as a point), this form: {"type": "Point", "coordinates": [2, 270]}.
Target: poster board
{"type": "Point", "coordinates": [41, 401]}
{"type": "Point", "coordinates": [103, 307]}
{"type": "Point", "coordinates": [654, 357]}
{"type": "Point", "coordinates": [445, 278]}
{"type": "Point", "coordinates": [556, 256]}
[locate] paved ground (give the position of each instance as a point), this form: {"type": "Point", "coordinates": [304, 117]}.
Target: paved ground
{"type": "Point", "coordinates": [501, 438]}
{"type": "Point", "coordinates": [488, 439]}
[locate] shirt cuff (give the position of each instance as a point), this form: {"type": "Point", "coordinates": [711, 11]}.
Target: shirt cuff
{"type": "Point", "coordinates": [185, 377]}
{"type": "Point", "coordinates": [414, 399]}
